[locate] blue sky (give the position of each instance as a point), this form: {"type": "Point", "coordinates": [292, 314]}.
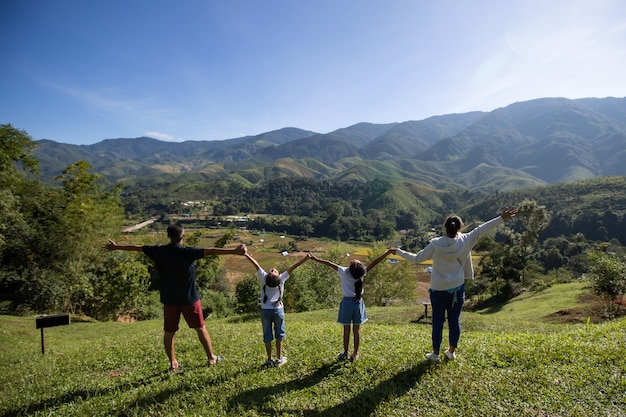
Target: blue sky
{"type": "Point", "coordinates": [84, 71]}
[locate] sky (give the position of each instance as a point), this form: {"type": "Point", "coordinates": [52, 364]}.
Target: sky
{"type": "Point", "coordinates": [79, 72]}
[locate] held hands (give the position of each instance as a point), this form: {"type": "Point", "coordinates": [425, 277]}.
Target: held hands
{"type": "Point", "coordinates": [241, 250]}
{"type": "Point", "coordinates": [509, 212]}
{"type": "Point", "coordinates": [110, 245]}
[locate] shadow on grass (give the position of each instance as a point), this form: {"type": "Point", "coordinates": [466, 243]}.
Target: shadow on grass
{"type": "Point", "coordinates": [257, 398]}
{"type": "Point", "coordinates": [491, 308]}
{"type": "Point", "coordinates": [363, 404]}
{"type": "Point", "coordinates": [244, 318]}
{"type": "Point", "coordinates": [82, 394]}
{"type": "Point", "coordinates": [366, 401]}
{"type": "Point", "coordinates": [135, 404]}
{"type": "Point", "coordinates": [493, 304]}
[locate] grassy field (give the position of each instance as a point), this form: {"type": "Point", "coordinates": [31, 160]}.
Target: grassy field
{"type": "Point", "coordinates": [512, 361]}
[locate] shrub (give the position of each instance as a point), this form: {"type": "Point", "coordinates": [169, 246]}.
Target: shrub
{"type": "Point", "coordinates": [247, 295]}
{"type": "Point", "coordinates": [608, 277]}
{"type": "Point", "coordinates": [215, 304]}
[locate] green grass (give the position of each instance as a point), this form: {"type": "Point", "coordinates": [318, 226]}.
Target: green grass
{"type": "Point", "coordinates": [531, 305]}
{"type": "Point", "coordinates": [511, 362]}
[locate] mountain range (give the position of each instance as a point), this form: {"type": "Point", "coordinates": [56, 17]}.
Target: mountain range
{"type": "Point", "coordinates": [522, 145]}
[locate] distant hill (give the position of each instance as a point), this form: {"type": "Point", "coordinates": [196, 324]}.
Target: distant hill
{"type": "Point", "coordinates": [523, 145]}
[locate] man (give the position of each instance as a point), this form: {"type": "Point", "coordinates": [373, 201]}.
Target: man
{"type": "Point", "coordinates": [179, 294]}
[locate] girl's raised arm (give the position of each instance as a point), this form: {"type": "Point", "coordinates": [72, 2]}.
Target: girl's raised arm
{"type": "Point", "coordinates": [297, 264]}
{"type": "Point", "coordinates": [325, 262]}
{"type": "Point", "coordinates": [253, 261]}
{"type": "Point", "coordinates": [377, 260]}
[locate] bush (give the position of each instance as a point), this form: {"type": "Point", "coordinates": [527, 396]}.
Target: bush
{"type": "Point", "coordinates": [118, 288]}
{"type": "Point", "coordinates": [150, 306]}
{"type": "Point", "coordinates": [32, 290]}
{"type": "Point", "coordinates": [215, 304]}
{"type": "Point", "coordinates": [247, 295]}
{"type": "Point", "coordinates": [608, 277]}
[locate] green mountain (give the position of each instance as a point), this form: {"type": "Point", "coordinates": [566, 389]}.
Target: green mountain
{"type": "Point", "coordinates": [526, 144]}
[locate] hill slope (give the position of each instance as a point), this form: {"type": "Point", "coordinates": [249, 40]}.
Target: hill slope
{"type": "Point", "coordinates": [507, 365]}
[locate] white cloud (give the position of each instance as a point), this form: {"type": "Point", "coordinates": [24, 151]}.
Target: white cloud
{"type": "Point", "coordinates": [162, 136]}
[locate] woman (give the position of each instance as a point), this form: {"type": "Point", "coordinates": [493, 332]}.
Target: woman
{"type": "Point", "coordinates": [452, 264]}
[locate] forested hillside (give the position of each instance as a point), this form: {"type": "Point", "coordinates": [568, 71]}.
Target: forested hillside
{"type": "Point", "coordinates": [595, 208]}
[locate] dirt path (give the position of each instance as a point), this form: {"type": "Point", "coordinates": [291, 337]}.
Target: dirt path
{"type": "Point", "coordinates": [140, 225]}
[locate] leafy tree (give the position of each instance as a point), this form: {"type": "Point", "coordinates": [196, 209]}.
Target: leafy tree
{"type": "Point", "coordinates": [50, 239]}
{"type": "Point", "coordinates": [247, 295]}
{"type": "Point", "coordinates": [119, 286]}
{"type": "Point", "coordinates": [28, 278]}
{"type": "Point", "coordinates": [314, 286]}
{"type": "Point", "coordinates": [388, 282]}
{"type": "Point", "coordinates": [90, 215]}
{"type": "Point", "coordinates": [16, 158]}
{"type": "Point", "coordinates": [415, 241]}
{"type": "Point", "coordinates": [216, 304]}
{"type": "Point", "coordinates": [608, 278]}
{"type": "Point", "coordinates": [503, 266]}
{"type": "Point", "coordinates": [552, 259]}
{"type": "Point", "coordinates": [17, 193]}
{"type": "Point", "coordinates": [534, 219]}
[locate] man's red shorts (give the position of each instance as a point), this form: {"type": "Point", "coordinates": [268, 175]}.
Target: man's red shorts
{"type": "Point", "coordinates": [191, 312]}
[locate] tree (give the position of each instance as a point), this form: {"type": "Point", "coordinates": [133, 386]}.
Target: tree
{"type": "Point", "coordinates": [247, 294]}
{"type": "Point", "coordinates": [314, 286]}
{"type": "Point", "coordinates": [119, 287]}
{"type": "Point", "coordinates": [608, 278]}
{"type": "Point", "coordinates": [16, 158]}
{"type": "Point", "coordinates": [389, 282]}
{"type": "Point", "coordinates": [510, 260]}
{"type": "Point", "coordinates": [552, 259]}
{"type": "Point", "coordinates": [534, 219]}
{"type": "Point", "coordinates": [503, 266]}
{"type": "Point", "coordinates": [26, 212]}
{"type": "Point", "coordinates": [89, 216]}
{"type": "Point", "coordinates": [16, 191]}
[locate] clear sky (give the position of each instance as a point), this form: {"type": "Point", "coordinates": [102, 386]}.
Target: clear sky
{"type": "Point", "coordinates": [78, 71]}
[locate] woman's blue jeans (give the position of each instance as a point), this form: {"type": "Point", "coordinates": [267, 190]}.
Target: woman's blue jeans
{"type": "Point", "coordinates": [443, 302]}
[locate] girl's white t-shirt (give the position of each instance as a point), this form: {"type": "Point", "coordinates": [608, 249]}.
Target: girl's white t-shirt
{"type": "Point", "coordinates": [347, 282]}
{"type": "Point", "coordinates": [273, 293]}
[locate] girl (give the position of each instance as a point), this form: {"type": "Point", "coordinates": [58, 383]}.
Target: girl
{"type": "Point", "coordinates": [272, 308]}
{"type": "Point", "coordinates": [352, 307]}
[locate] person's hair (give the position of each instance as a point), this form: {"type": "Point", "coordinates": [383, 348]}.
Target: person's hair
{"type": "Point", "coordinates": [272, 280]}
{"type": "Point", "coordinates": [175, 232]}
{"type": "Point", "coordinates": [358, 289]}
{"type": "Point", "coordinates": [452, 225]}
{"type": "Point", "coordinates": [357, 270]}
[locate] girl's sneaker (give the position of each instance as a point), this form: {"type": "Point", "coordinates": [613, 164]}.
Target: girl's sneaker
{"type": "Point", "coordinates": [268, 363]}
{"type": "Point", "coordinates": [342, 356]}
{"type": "Point", "coordinates": [432, 357]}
{"type": "Point", "coordinates": [281, 361]}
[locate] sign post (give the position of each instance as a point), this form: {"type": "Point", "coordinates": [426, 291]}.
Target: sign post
{"type": "Point", "coordinates": [42, 322]}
